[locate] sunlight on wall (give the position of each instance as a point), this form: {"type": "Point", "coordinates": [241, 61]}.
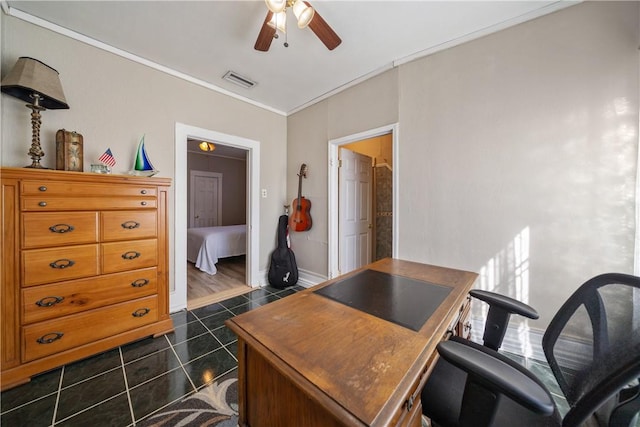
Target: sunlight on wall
{"type": "Point", "coordinates": [507, 273]}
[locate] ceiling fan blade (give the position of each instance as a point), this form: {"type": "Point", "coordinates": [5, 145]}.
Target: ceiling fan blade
{"type": "Point", "coordinates": [265, 37]}
{"type": "Point", "coordinates": [324, 32]}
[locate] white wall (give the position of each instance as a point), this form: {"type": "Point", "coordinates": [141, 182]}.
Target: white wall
{"type": "Point", "coordinates": [114, 101]}
{"type": "Point", "coordinates": [523, 153]}
{"type": "Point", "coordinates": [517, 152]}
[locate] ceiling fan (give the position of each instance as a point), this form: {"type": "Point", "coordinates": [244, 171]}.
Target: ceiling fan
{"type": "Point", "coordinates": [305, 15]}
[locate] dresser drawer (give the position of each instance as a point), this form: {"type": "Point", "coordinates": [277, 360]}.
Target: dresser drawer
{"type": "Point", "coordinates": [58, 264]}
{"type": "Point", "coordinates": [61, 299]}
{"type": "Point", "coordinates": [128, 225]}
{"type": "Point", "coordinates": [56, 203]}
{"type": "Point", "coordinates": [53, 336]}
{"type": "Point", "coordinates": [70, 189]}
{"type": "Point", "coordinates": [57, 229]}
{"type": "Point", "coordinates": [130, 255]}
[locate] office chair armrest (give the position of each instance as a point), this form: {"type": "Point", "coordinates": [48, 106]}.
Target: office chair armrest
{"type": "Point", "coordinates": [485, 368]}
{"type": "Point", "coordinates": [501, 307]}
{"type": "Point", "coordinates": [506, 303]}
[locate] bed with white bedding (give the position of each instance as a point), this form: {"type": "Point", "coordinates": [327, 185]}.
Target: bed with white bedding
{"type": "Point", "coordinates": [206, 245]}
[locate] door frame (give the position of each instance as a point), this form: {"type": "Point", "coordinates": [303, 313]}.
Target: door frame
{"type": "Point", "coordinates": [183, 132]}
{"type": "Point", "coordinates": [333, 201]}
{"type": "Point", "coordinates": [192, 178]}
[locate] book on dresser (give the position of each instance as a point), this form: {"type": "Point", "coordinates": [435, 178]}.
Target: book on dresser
{"type": "Point", "coordinates": [84, 266]}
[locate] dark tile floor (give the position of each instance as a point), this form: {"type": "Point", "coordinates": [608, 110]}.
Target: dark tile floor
{"type": "Point", "coordinates": [125, 385]}
{"type": "Point", "coordinates": [128, 384]}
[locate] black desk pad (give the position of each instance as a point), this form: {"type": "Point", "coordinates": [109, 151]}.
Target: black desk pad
{"type": "Point", "coordinates": [401, 300]}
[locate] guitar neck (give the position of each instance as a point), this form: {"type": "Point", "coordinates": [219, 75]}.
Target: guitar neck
{"type": "Point", "coordinates": [299, 189]}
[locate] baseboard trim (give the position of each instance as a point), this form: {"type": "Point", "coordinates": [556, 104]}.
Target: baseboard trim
{"type": "Point", "coordinates": [306, 278]}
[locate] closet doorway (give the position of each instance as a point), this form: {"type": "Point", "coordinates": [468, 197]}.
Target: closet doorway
{"type": "Point", "coordinates": [376, 224]}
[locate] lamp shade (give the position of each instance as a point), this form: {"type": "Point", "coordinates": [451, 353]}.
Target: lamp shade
{"type": "Point", "coordinates": [279, 21]}
{"type": "Point", "coordinates": [303, 13]}
{"type": "Point", "coordinates": [276, 6]}
{"type": "Point", "coordinates": [31, 76]}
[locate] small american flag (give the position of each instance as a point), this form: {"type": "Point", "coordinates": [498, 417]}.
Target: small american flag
{"type": "Point", "coordinates": [107, 158]}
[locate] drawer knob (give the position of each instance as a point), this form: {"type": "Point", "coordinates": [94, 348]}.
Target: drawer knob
{"type": "Point", "coordinates": [141, 312]}
{"type": "Point", "coordinates": [62, 263]}
{"type": "Point", "coordinates": [42, 188]}
{"type": "Point", "coordinates": [143, 203]}
{"type": "Point", "coordinates": [50, 337]}
{"type": "Point", "coordinates": [49, 301]}
{"type": "Point", "coordinates": [143, 192]}
{"type": "Point", "coordinates": [42, 204]}
{"type": "Point", "coordinates": [131, 255]}
{"type": "Point", "coordinates": [130, 225]}
{"type": "Point", "coordinates": [410, 403]}
{"type": "Point", "coordinates": [61, 228]}
{"type": "Point", "coordinates": [140, 283]}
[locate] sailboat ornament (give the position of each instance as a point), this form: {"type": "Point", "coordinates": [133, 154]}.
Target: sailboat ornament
{"type": "Point", "coordinates": [142, 165]}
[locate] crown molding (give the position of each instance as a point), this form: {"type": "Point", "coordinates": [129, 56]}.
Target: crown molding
{"type": "Point", "coordinates": [16, 13]}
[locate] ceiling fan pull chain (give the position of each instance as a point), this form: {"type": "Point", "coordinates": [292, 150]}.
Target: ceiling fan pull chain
{"type": "Point", "coordinates": [286, 37]}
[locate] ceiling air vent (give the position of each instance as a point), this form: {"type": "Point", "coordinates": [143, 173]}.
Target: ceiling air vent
{"type": "Point", "coordinates": [239, 80]}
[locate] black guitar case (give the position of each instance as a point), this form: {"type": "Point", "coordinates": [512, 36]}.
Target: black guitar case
{"type": "Point", "coordinates": [283, 271]}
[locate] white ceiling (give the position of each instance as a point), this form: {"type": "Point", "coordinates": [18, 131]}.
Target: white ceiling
{"type": "Point", "coordinates": [202, 40]}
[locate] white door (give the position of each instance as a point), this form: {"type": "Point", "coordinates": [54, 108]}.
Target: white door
{"type": "Point", "coordinates": [206, 199]}
{"type": "Point", "coordinates": [354, 217]}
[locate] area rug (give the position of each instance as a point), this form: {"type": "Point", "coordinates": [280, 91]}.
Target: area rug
{"type": "Point", "coordinates": [215, 405]}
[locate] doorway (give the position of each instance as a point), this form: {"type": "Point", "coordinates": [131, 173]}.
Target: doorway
{"type": "Point", "coordinates": [178, 293]}
{"type": "Point", "coordinates": [385, 218]}
{"type": "Point", "coordinates": [216, 259]}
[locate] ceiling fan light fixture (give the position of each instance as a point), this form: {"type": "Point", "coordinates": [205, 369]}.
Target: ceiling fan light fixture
{"type": "Point", "coordinates": [304, 14]}
{"type": "Point", "coordinates": [279, 21]}
{"type": "Point", "coordinates": [276, 6]}
{"type": "Point", "coordinates": [207, 146]}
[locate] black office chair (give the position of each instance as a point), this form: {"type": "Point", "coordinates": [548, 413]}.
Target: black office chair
{"type": "Point", "coordinates": [592, 346]}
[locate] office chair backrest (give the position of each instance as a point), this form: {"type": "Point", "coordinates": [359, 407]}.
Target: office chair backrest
{"type": "Point", "coordinates": [593, 346]}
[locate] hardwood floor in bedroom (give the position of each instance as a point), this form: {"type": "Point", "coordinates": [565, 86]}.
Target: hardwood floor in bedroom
{"type": "Point", "coordinates": [229, 281]}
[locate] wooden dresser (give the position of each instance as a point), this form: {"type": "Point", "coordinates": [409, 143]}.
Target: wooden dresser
{"type": "Point", "coordinates": [84, 266]}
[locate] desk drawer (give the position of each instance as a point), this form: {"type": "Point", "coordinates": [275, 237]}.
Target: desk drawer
{"type": "Point", "coordinates": [130, 255]}
{"type": "Point", "coordinates": [53, 336]}
{"type": "Point", "coordinates": [462, 327]}
{"type": "Point", "coordinates": [128, 225]}
{"type": "Point", "coordinates": [61, 299]}
{"type": "Point", "coordinates": [55, 265]}
{"type": "Point", "coordinates": [43, 229]}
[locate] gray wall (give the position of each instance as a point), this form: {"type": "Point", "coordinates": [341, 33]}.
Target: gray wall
{"type": "Point", "coordinates": [517, 153]}
{"type": "Point", "coordinates": [234, 184]}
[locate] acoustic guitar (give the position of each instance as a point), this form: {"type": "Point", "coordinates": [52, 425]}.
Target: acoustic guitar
{"type": "Point", "coordinates": [300, 218]}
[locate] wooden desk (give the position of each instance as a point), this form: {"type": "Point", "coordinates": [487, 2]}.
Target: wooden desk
{"type": "Point", "coordinates": [309, 360]}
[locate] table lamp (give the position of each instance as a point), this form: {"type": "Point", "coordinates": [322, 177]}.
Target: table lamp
{"type": "Point", "coordinates": [38, 84]}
